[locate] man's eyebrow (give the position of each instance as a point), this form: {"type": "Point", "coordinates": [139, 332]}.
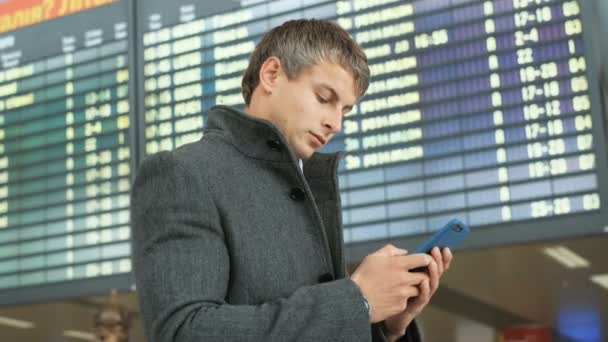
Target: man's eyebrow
{"type": "Point", "coordinates": [334, 95]}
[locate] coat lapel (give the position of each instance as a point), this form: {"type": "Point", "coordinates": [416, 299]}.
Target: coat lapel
{"type": "Point", "coordinates": [321, 174]}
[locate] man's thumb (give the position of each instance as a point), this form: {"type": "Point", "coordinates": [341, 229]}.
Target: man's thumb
{"type": "Point", "coordinates": [391, 250]}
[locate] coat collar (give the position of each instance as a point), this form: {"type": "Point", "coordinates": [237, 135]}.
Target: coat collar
{"type": "Point", "coordinates": [260, 139]}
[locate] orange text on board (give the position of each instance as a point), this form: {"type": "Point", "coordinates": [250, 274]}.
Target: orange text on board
{"type": "Point", "coordinates": [15, 14]}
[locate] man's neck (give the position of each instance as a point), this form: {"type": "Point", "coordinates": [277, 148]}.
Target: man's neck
{"type": "Point", "coordinates": [256, 109]}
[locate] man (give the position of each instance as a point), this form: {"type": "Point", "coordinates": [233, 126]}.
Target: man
{"type": "Point", "coordinates": [238, 237]}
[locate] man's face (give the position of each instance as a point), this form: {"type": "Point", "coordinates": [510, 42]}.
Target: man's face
{"type": "Point", "coordinates": [308, 109]}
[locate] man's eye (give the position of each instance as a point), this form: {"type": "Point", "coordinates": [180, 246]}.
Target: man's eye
{"type": "Point", "coordinates": [321, 100]}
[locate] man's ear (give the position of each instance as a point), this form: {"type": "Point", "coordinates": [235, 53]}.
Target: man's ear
{"type": "Point", "coordinates": [270, 72]}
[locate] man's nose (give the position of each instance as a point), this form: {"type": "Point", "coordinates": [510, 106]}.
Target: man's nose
{"type": "Point", "coordinates": [333, 122]}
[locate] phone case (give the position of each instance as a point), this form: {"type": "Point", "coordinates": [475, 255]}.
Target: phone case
{"type": "Point", "coordinates": [451, 235]}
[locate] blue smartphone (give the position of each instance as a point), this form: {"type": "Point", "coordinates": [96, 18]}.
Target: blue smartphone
{"type": "Point", "coordinates": [451, 235]}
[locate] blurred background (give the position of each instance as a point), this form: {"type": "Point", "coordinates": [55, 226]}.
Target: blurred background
{"type": "Point", "coordinates": [493, 112]}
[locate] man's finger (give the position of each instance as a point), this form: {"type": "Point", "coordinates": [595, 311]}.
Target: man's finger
{"type": "Point", "coordinates": [433, 275]}
{"type": "Point", "coordinates": [425, 293]}
{"type": "Point", "coordinates": [414, 278]}
{"type": "Point", "coordinates": [436, 253]}
{"type": "Point", "coordinates": [390, 250]}
{"type": "Point", "coordinates": [412, 261]}
{"type": "Point", "coordinates": [423, 297]}
{"type": "Point", "coordinates": [447, 258]}
{"type": "Point", "coordinates": [410, 291]}
{"type": "Point", "coordinates": [398, 252]}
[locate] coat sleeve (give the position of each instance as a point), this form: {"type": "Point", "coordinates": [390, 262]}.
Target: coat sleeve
{"type": "Point", "coordinates": [182, 271]}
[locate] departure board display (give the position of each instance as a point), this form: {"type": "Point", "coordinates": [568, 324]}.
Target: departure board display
{"type": "Point", "coordinates": [488, 111]}
{"type": "Point", "coordinates": [482, 110]}
{"type": "Point", "coordinates": [65, 160]}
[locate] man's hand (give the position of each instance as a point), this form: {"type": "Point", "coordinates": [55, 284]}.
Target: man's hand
{"type": "Point", "coordinates": [384, 280]}
{"type": "Point", "coordinates": [397, 325]}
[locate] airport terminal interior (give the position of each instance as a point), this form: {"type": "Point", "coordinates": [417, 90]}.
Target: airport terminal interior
{"type": "Point", "coordinates": [492, 112]}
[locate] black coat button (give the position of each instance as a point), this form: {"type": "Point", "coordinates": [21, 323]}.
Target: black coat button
{"type": "Point", "coordinates": [297, 194]}
{"type": "Point", "coordinates": [274, 144]}
{"type": "Point", "coordinates": [325, 277]}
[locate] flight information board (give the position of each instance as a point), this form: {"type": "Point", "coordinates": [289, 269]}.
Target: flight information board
{"type": "Point", "coordinates": [482, 110]}
{"type": "Point", "coordinates": [65, 160]}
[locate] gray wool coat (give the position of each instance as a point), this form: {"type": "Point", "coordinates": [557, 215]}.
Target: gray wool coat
{"type": "Point", "coordinates": [232, 242]}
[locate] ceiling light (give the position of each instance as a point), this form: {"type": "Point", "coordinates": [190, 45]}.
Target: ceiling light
{"type": "Point", "coordinates": [16, 323]}
{"type": "Point", "coordinates": [601, 280]}
{"type": "Point", "coordinates": [566, 257]}
{"type": "Point", "coordinates": [82, 335]}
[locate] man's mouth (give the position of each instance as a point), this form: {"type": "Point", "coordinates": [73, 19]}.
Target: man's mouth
{"type": "Point", "coordinates": [319, 139]}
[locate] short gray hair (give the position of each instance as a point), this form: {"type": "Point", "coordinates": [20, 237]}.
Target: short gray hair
{"type": "Point", "coordinates": [305, 42]}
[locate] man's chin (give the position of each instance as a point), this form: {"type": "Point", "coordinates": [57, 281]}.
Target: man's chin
{"type": "Point", "coordinates": [305, 154]}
